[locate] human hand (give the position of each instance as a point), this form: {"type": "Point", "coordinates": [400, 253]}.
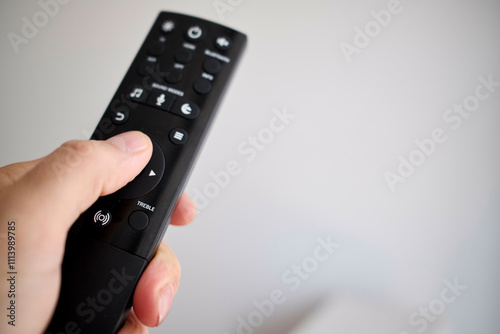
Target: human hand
{"type": "Point", "coordinates": [44, 197]}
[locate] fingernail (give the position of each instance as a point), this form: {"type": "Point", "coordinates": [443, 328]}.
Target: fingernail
{"type": "Point", "coordinates": [130, 142]}
{"type": "Point", "coordinates": [166, 298]}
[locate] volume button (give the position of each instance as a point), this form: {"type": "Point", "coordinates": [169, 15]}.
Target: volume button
{"type": "Point", "coordinates": [183, 56]}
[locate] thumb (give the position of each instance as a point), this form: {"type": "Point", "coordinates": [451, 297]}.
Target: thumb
{"type": "Point", "coordinates": [43, 198]}
{"type": "Point", "coordinates": [65, 183]}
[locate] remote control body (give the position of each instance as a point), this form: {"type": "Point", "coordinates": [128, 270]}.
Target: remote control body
{"type": "Point", "coordinates": [171, 93]}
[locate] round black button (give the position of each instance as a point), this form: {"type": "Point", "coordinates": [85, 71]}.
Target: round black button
{"type": "Point", "coordinates": [178, 136]}
{"type": "Point", "coordinates": [212, 66]}
{"type": "Point", "coordinates": [146, 68]}
{"type": "Point", "coordinates": [167, 26]}
{"type": "Point", "coordinates": [195, 33]}
{"type": "Point", "coordinates": [202, 86]}
{"type": "Point", "coordinates": [148, 179]}
{"type": "Point", "coordinates": [223, 43]}
{"type": "Point", "coordinates": [102, 217]}
{"type": "Point", "coordinates": [156, 49]}
{"type": "Point", "coordinates": [138, 220]}
{"type": "Point", "coordinates": [183, 55]}
{"type": "Point", "coordinates": [174, 76]}
{"type": "Point", "coordinates": [187, 110]}
{"type": "Point", "coordinates": [120, 117]}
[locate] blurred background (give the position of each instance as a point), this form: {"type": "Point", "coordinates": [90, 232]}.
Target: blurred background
{"type": "Point", "coordinates": [374, 208]}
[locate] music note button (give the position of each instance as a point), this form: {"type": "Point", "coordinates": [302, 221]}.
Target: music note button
{"type": "Point", "coordinates": [138, 94]}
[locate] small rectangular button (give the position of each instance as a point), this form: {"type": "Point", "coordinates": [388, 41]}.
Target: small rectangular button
{"type": "Point", "coordinates": [137, 94]}
{"type": "Point", "coordinates": [160, 99]}
{"type": "Point", "coordinates": [186, 109]}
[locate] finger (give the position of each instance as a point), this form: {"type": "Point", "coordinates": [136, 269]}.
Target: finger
{"type": "Point", "coordinates": [133, 325]}
{"type": "Point", "coordinates": [184, 212]}
{"type": "Point", "coordinates": [12, 173]}
{"type": "Point", "coordinates": [68, 181]}
{"type": "Point", "coordinates": [157, 286]}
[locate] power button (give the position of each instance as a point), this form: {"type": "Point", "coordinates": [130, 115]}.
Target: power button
{"type": "Point", "coordinates": [195, 33]}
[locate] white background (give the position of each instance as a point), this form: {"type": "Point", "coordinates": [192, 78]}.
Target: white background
{"type": "Point", "coordinates": [323, 175]}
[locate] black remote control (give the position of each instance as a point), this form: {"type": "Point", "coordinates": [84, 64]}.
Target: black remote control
{"type": "Point", "coordinates": [170, 93]}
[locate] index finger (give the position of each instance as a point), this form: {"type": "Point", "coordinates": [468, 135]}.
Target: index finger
{"type": "Point", "coordinates": [184, 212]}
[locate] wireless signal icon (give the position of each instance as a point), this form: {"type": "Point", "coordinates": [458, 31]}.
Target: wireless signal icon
{"type": "Point", "coordinates": [102, 217]}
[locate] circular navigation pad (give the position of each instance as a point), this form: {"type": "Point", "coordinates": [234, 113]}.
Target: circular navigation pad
{"type": "Point", "coordinates": [149, 177]}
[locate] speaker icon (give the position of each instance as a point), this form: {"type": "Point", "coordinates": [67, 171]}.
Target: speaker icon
{"type": "Point", "coordinates": [102, 217]}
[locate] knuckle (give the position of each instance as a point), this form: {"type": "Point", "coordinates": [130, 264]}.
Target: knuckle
{"type": "Point", "coordinates": [72, 153]}
{"type": "Point", "coordinates": [8, 175]}
{"type": "Point", "coordinates": [72, 156]}
{"type": "Point", "coordinates": [76, 148]}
